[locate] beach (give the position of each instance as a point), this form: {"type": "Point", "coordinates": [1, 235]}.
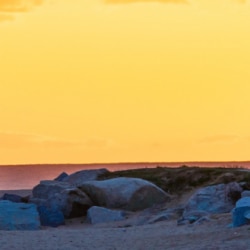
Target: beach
{"type": "Point", "coordinates": [78, 234]}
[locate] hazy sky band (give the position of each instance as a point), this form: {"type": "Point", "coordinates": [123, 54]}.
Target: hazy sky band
{"type": "Point", "coordinates": [91, 81]}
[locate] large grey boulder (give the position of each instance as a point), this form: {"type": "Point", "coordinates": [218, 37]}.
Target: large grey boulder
{"type": "Point", "coordinates": [61, 196]}
{"type": "Point", "coordinates": [124, 193]}
{"type": "Point", "coordinates": [214, 199]}
{"type": "Point", "coordinates": [241, 212]}
{"type": "Point", "coordinates": [97, 215]}
{"type": "Point", "coordinates": [18, 216]}
{"type": "Point", "coordinates": [82, 176]}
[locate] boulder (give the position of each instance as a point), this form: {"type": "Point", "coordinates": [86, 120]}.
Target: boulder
{"type": "Point", "coordinates": [61, 196]}
{"type": "Point", "coordinates": [50, 217]}
{"type": "Point", "coordinates": [214, 199]}
{"type": "Point", "coordinates": [97, 215]}
{"type": "Point", "coordinates": [124, 193]}
{"type": "Point", "coordinates": [61, 177]}
{"type": "Point", "coordinates": [241, 212]}
{"type": "Point", "coordinates": [82, 176]}
{"type": "Point", "coordinates": [18, 216]}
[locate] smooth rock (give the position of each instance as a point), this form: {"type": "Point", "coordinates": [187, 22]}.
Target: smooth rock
{"type": "Point", "coordinates": [18, 216]}
{"type": "Point", "coordinates": [241, 212]}
{"type": "Point", "coordinates": [97, 215]}
{"type": "Point", "coordinates": [131, 194]}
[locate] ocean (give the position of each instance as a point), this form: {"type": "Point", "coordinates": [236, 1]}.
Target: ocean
{"type": "Point", "coordinates": [15, 177]}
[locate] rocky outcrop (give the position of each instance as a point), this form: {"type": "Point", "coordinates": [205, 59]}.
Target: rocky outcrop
{"type": "Point", "coordinates": [241, 212]}
{"type": "Point", "coordinates": [61, 196]}
{"type": "Point", "coordinates": [80, 177]}
{"type": "Point", "coordinates": [18, 216]}
{"type": "Point", "coordinates": [97, 215]}
{"type": "Point", "coordinates": [124, 193]}
{"type": "Point", "coordinates": [214, 199]}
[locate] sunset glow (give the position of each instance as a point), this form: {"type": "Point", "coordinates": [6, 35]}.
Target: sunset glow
{"type": "Point", "coordinates": [124, 80]}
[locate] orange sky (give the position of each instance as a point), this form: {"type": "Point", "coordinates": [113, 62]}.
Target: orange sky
{"type": "Point", "coordinates": [124, 80]}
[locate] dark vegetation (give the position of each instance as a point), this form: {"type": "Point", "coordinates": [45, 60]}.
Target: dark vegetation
{"type": "Point", "coordinates": [183, 179]}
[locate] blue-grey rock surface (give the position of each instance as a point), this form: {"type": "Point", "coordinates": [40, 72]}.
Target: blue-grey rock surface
{"type": "Point", "coordinates": [50, 217]}
{"type": "Point", "coordinates": [241, 212]}
{"type": "Point", "coordinates": [18, 216]}
{"type": "Point", "coordinates": [214, 199]}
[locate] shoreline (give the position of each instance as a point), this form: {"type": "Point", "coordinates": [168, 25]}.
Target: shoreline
{"type": "Point", "coordinates": [20, 192]}
{"type": "Point", "coordinates": [156, 163]}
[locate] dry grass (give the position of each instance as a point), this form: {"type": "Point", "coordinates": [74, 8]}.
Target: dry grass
{"type": "Point", "coordinates": [177, 181]}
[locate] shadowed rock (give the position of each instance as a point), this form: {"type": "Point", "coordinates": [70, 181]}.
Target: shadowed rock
{"type": "Point", "coordinates": [61, 196]}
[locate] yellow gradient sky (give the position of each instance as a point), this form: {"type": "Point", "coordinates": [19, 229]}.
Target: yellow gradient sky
{"type": "Point", "coordinates": [124, 80]}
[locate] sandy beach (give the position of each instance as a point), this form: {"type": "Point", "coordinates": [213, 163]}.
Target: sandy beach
{"type": "Point", "coordinates": [78, 234]}
{"type": "Point", "coordinates": [162, 235]}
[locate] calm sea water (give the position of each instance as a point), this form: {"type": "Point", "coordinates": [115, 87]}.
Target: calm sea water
{"type": "Point", "coordinates": [27, 176]}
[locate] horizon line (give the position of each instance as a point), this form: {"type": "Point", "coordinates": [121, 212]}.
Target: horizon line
{"type": "Point", "coordinates": [136, 162]}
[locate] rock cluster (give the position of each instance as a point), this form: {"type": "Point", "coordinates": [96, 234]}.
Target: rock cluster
{"type": "Point", "coordinates": [79, 194]}
{"type": "Point", "coordinates": [114, 200]}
